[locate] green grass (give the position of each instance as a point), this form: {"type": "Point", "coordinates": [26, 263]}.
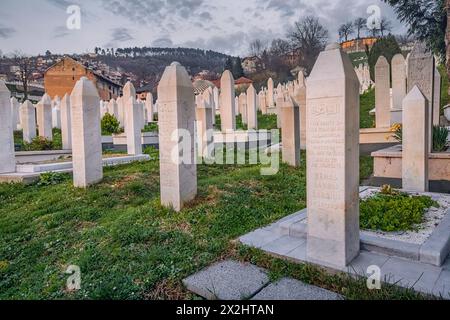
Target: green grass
{"type": "Point", "coordinates": [265, 121]}
{"type": "Point", "coordinates": [367, 103]}
{"type": "Point", "coordinates": [129, 247]}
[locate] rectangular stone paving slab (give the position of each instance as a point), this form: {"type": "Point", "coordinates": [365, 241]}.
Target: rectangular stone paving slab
{"type": "Point", "coordinates": [227, 280]}
{"type": "Point", "coordinates": [291, 289]}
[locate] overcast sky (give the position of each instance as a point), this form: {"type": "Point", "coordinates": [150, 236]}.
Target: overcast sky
{"type": "Point", "coordinates": [33, 26]}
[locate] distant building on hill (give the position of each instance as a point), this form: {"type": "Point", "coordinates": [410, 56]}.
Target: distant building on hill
{"type": "Point", "coordinates": [61, 78]}
{"type": "Point", "coordinates": [358, 45]}
{"type": "Point", "coordinates": [252, 64]}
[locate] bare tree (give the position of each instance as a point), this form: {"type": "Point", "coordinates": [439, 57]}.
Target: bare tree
{"type": "Point", "coordinates": [360, 25]}
{"type": "Point", "coordinates": [257, 47]}
{"type": "Point", "coordinates": [280, 47]}
{"type": "Point", "coordinates": [308, 38]}
{"type": "Point", "coordinates": [25, 69]}
{"type": "Point", "coordinates": [346, 30]}
{"type": "Point", "coordinates": [385, 26]}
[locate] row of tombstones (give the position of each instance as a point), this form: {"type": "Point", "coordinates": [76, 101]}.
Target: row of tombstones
{"type": "Point", "coordinates": [418, 69]}
{"type": "Point", "coordinates": [332, 133]}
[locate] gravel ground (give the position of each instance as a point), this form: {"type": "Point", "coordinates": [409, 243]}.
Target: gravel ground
{"type": "Point", "coordinates": [432, 218]}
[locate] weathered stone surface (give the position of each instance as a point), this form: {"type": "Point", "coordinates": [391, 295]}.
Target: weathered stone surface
{"type": "Point", "coordinates": [291, 289]}
{"type": "Point", "coordinates": [66, 123]}
{"type": "Point", "coordinates": [121, 111]}
{"type": "Point", "coordinates": [227, 280]}
{"type": "Point", "coordinates": [382, 93]}
{"type": "Point", "coordinates": [252, 111]}
{"type": "Point", "coordinates": [176, 102]}
{"type": "Point", "coordinates": [28, 121]}
{"type": "Point", "coordinates": [333, 159]}
{"type": "Point", "coordinates": [44, 117]}
{"type": "Point", "coordinates": [398, 80]}
{"type": "Point", "coordinates": [7, 156]}
{"type": "Point", "coordinates": [86, 134]}
{"type": "Point", "coordinates": [415, 141]}
{"type": "Point", "coordinates": [227, 103]}
{"type": "Point", "coordinates": [290, 130]}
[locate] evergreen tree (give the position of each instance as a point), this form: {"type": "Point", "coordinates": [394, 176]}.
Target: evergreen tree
{"type": "Point", "coordinates": [427, 20]}
{"type": "Point", "coordinates": [238, 71]}
{"type": "Point", "coordinates": [387, 47]}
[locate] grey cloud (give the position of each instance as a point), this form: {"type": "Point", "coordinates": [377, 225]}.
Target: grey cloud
{"type": "Point", "coordinates": [6, 32]}
{"type": "Point", "coordinates": [60, 32]}
{"type": "Point", "coordinates": [163, 43]}
{"type": "Point", "coordinates": [152, 11]}
{"type": "Point", "coordinates": [119, 35]}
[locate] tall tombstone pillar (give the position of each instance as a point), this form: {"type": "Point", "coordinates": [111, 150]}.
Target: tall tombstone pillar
{"type": "Point", "coordinates": [28, 121]}
{"type": "Point", "coordinates": [421, 66]}
{"type": "Point", "coordinates": [332, 142]}
{"type": "Point", "coordinates": [437, 98]}
{"type": "Point", "coordinates": [227, 103]}
{"type": "Point", "coordinates": [66, 123]}
{"type": "Point", "coordinates": [382, 93]}
{"type": "Point", "coordinates": [415, 142]}
{"type": "Point", "coordinates": [7, 156]}
{"type": "Point", "coordinates": [86, 134]}
{"type": "Point", "coordinates": [398, 80]}
{"type": "Point", "coordinates": [178, 169]}
{"type": "Point", "coordinates": [44, 117]}
{"type": "Point", "coordinates": [290, 129]}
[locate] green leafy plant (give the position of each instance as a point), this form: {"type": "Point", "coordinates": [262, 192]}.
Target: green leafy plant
{"type": "Point", "coordinates": [393, 211]}
{"type": "Point", "coordinates": [110, 125]}
{"type": "Point", "coordinates": [440, 135]}
{"type": "Point", "coordinates": [152, 152]}
{"type": "Point", "coordinates": [51, 178]}
{"type": "Point", "coordinates": [151, 127]}
{"type": "Point", "coordinates": [38, 144]}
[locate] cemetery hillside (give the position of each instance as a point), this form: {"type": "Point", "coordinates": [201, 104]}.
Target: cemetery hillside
{"type": "Point", "coordinates": [182, 153]}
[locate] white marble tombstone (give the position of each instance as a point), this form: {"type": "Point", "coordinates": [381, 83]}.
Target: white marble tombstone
{"type": "Point", "coordinates": [113, 108]}
{"type": "Point", "coordinates": [178, 169]}
{"type": "Point", "coordinates": [333, 160]}
{"type": "Point", "coordinates": [227, 103]}
{"type": "Point", "coordinates": [382, 93]}
{"type": "Point", "coordinates": [66, 123]}
{"type": "Point", "coordinates": [270, 89]}
{"type": "Point", "coordinates": [7, 155]}
{"type": "Point", "coordinates": [204, 110]}
{"type": "Point", "coordinates": [243, 107]}
{"type": "Point", "coordinates": [44, 117]}
{"type": "Point", "coordinates": [415, 142]}
{"type": "Point", "coordinates": [300, 100]}
{"type": "Point", "coordinates": [133, 120]}
{"type": "Point", "coordinates": [15, 113]}
{"type": "Point", "coordinates": [398, 80]}
{"type": "Point", "coordinates": [252, 109]}
{"type": "Point", "coordinates": [56, 113]}
{"type": "Point", "coordinates": [28, 121]}
{"type": "Point", "coordinates": [86, 134]}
